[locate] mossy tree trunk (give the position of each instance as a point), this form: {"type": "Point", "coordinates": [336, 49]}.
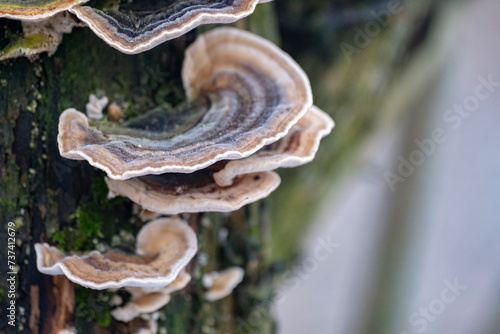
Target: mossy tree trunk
{"type": "Point", "coordinates": [63, 202]}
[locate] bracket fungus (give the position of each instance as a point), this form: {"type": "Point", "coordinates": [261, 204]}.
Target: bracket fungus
{"type": "Point", "coordinates": [149, 300]}
{"type": "Point", "coordinates": [174, 193]}
{"type": "Point", "coordinates": [228, 185]}
{"type": "Point", "coordinates": [298, 147]}
{"type": "Point", "coordinates": [134, 27]}
{"type": "Point", "coordinates": [253, 92]}
{"type": "Point", "coordinates": [145, 304]}
{"type": "Point", "coordinates": [164, 247]}
{"type": "Point", "coordinates": [221, 284]}
{"type": "Point", "coordinates": [35, 10]}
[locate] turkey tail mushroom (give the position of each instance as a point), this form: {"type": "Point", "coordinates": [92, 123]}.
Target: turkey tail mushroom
{"type": "Point", "coordinates": [164, 247]}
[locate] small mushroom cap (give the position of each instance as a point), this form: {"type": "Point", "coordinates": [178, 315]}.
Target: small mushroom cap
{"type": "Point", "coordinates": [298, 147]}
{"type": "Point", "coordinates": [145, 304]}
{"type": "Point", "coordinates": [179, 283]}
{"type": "Point", "coordinates": [35, 10]}
{"type": "Point", "coordinates": [223, 283]}
{"type": "Point", "coordinates": [166, 246]}
{"type": "Point", "coordinates": [163, 194]}
{"type": "Point", "coordinates": [149, 300]}
{"type": "Point", "coordinates": [134, 29]}
{"type": "Point", "coordinates": [254, 91]}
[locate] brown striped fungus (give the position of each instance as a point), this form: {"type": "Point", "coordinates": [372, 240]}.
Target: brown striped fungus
{"type": "Point", "coordinates": [137, 26]}
{"type": "Point", "coordinates": [35, 10]}
{"type": "Point", "coordinates": [249, 111]}
{"type": "Point", "coordinates": [173, 193]}
{"type": "Point", "coordinates": [298, 147]}
{"type": "Point", "coordinates": [164, 248]}
{"type": "Point", "coordinates": [129, 26]}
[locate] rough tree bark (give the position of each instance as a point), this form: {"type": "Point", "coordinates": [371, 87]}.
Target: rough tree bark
{"type": "Point", "coordinates": [63, 202]}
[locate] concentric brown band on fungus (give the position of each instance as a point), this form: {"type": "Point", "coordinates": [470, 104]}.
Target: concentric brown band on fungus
{"type": "Point", "coordinates": [298, 147]}
{"type": "Point", "coordinates": [173, 193]}
{"type": "Point", "coordinates": [34, 10]}
{"type": "Point", "coordinates": [134, 27]}
{"type": "Point", "coordinates": [255, 94]}
{"type": "Point", "coordinates": [164, 247]}
{"type": "Point", "coordinates": [221, 284]}
{"type": "Point", "coordinates": [227, 185]}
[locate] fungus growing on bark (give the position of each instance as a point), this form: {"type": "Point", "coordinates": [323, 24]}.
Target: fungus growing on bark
{"type": "Point", "coordinates": [35, 10]}
{"type": "Point", "coordinates": [42, 36]}
{"type": "Point", "coordinates": [298, 147]}
{"type": "Point", "coordinates": [149, 300]}
{"type": "Point", "coordinates": [221, 284]}
{"type": "Point", "coordinates": [164, 247]}
{"type": "Point", "coordinates": [133, 27]}
{"type": "Point", "coordinates": [148, 303]}
{"type": "Point", "coordinates": [244, 93]}
{"type": "Point", "coordinates": [174, 193]}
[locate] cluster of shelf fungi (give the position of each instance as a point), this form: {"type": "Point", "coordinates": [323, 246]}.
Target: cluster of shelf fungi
{"type": "Point", "coordinates": [249, 111]}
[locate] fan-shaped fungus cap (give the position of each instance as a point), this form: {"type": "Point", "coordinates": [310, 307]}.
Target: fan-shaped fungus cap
{"type": "Point", "coordinates": [256, 93]}
{"type": "Point", "coordinates": [134, 28]}
{"type": "Point", "coordinates": [148, 303]}
{"type": "Point", "coordinates": [35, 10]}
{"type": "Point", "coordinates": [149, 300]}
{"type": "Point", "coordinates": [221, 284]}
{"type": "Point", "coordinates": [165, 246]}
{"type": "Point", "coordinates": [195, 192]}
{"type": "Point", "coordinates": [298, 147]}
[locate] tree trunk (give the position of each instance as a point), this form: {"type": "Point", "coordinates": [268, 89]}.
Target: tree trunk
{"type": "Point", "coordinates": [64, 202]}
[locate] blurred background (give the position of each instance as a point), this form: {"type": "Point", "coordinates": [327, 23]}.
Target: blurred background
{"type": "Point", "coordinates": [407, 240]}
